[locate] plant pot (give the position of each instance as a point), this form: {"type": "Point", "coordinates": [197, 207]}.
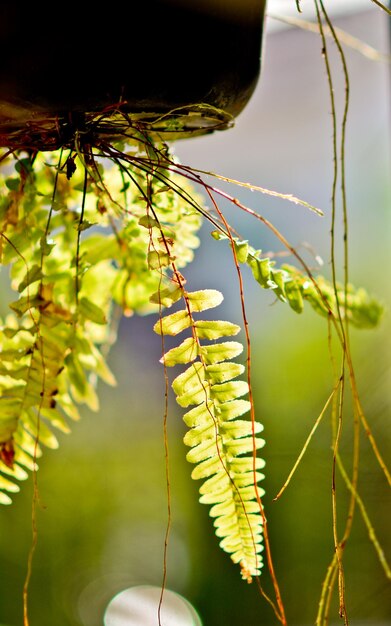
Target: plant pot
{"type": "Point", "coordinates": [194, 62]}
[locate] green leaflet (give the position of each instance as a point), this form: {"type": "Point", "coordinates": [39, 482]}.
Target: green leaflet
{"type": "Point", "coordinates": [233, 409]}
{"type": "Point", "coordinates": [176, 322]}
{"type": "Point", "coordinates": [186, 352]}
{"type": "Point", "coordinates": [167, 296]}
{"type": "Point", "coordinates": [157, 260]}
{"type": "Point", "coordinates": [223, 371]}
{"type": "Point", "coordinates": [204, 299]}
{"type": "Point", "coordinates": [215, 329]}
{"type": "Point", "coordinates": [221, 446]}
{"type": "Point", "coordinates": [173, 324]}
{"type": "Point", "coordinates": [217, 352]}
{"type": "Point", "coordinates": [32, 275]}
{"type": "Point", "coordinates": [4, 499]}
{"type": "Point", "coordinates": [91, 311]}
{"type": "Point", "coordinates": [190, 379]}
{"type": "Point", "coordinates": [225, 392]}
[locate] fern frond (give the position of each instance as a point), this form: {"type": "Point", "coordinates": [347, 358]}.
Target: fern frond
{"type": "Point", "coordinates": [218, 441]}
{"type": "Point", "coordinates": [45, 370]}
{"type": "Point", "coordinates": [361, 309]}
{"type": "Point", "coordinates": [291, 285]}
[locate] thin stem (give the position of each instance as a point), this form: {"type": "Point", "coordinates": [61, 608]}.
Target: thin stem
{"type": "Point", "coordinates": [369, 52]}
{"type": "Point", "coordinates": [335, 170]}
{"type": "Point", "coordinates": [79, 229]}
{"type": "Point", "coordinates": [371, 531]}
{"type": "Point", "coordinates": [337, 545]}
{"type": "Point", "coordinates": [329, 590]}
{"type": "Point", "coordinates": [167, 472]}
{"type": "Point", "coordinates": [342, 166]}
{"type": "Point", "coordinates": [308, 440]}
{"type": "Point", "coordinates": [382, 6]}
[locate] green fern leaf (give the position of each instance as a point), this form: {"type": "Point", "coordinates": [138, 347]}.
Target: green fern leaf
{"type": "Point", "coordinates": [217, 352]}
{"type": "Point", "coordinates": [224, 371]}
{"type": "Point", "coordinates": [186, 352]}
{"type": "Point", "coordinates": [204, 299]}
{"type": "Point", "coordinates": [215, 329]}
{"type": "Point", "coordinates": [221, 447]}
{"type": "Point", "coordinates": [173, 324]}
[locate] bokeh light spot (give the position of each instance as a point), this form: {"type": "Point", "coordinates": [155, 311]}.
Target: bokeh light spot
{"type": "Point", "coordinates": [138, 606]}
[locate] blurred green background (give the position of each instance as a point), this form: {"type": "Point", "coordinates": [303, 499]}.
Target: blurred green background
{"type": "Point", "coordinates": [103, 495]}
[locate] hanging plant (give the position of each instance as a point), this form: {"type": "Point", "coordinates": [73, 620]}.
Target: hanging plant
{"type": "Point", "coordinates": [98, 216]}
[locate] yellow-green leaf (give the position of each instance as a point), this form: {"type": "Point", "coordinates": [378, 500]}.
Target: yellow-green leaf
{"type": "Point", "coordinates": [241, 249]}
{"type": "Point", "coordinates": [33, 274]}
{"type": "Point", "coordinates": [221, 351]}
{"type": "Point", "coordinates": [204, 299]}
{"type": "Point", "coordinates": [225, 392]}
{"type": "Point", "coordinates": [214, 329]}
{"type": "Point", "coordinates": [244, 445]}
{"type": "Point", "coordinates": [294, 295]}
{"type": "Point", "coordinates": [4, 499]}
{"type": "Point", "coordinates": [245, 464]}
{"type": "Point", "coordinates": [222, 372]}
{"type": "Point", "coordinates": [173, 324]}
{"type": "Point", "coordinates": [231, 410]}
{"type": "Point", "coordinates": [197, 435]}
{"type": "Point", "coordinates": [200, 414]}
{"type": "Point", "coordinates": [240, 428]}
{"type": "Point", "coordinates": [7, 485]}
{"type": "Point", "coordinates": [207, 468]}
{"type": "Point", "coordinates": [206, 449]}
{"type": "Point", "coordinates": [195, 395]}
{"type": "Point", "coordinates": [189, 379]}
{"type": "Point", "coordinates": [91, 311]}
{"type": "Point", "coordinates": [158, 259]}
{"type": "Point", "coordinates": [216, 496]}
{"type": "Point", "coordinates": [261, 270]}
{"type": "Point", "coordinates": [167, 295]}
{"type": "Point", "coordinates": [184, 353]}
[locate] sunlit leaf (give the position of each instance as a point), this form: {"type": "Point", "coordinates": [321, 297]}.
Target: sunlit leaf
{"type": "Point", "coordinates": [223, 371]}
{"type": "Point", "coordinates": [214, 329]}
{"type": "Point", "coordinates": [158, 260]}
{"type": "Point", "coordinates": [261, 270]}
{"type": "Point", "coordinates": [190, 379]}
{"type": "Point", "coordinates": [217, 352]}
{"type": "Point", "coordinates": [184, 353]}
{"type": "Point", "coordinates": [167, 296]}
{"type": "Point", "coordinates": [32, 275]}
{"type": "Point", "coordinates": [25, 304]}
{"type": "Point", "coordinates": [224, 392]}
{"type": "Point", "coordinates": [241, 249]}
{"type": "Point", "coordinates": [173, 324]}
{"type": "Point", "coordinates": [4, 499]}
{"type": "Point", "coordinates": [233, 409]}
{"type": "Point", "coordinates": [294, 296]}
{"type": "Point", "coordinates": [91, 311]}
{"type": "Point", "coordinates": [204, 299]}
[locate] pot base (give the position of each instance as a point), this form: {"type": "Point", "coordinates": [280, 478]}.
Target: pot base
{"type": "Point", "coordinates": [24, 129]}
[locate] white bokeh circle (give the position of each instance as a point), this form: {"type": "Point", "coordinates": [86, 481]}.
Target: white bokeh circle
{"type": "Point", "coordinates": [138, 606]}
